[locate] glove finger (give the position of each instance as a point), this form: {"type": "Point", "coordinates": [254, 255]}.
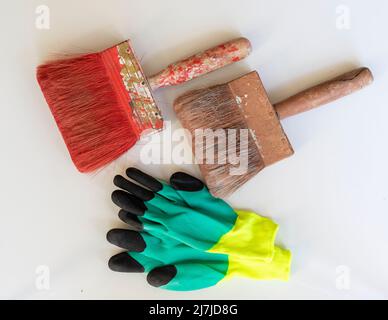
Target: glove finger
{"type": "Point", "coordinates": [134, 241]}
{"type": "Point", "coordinates": [131, 220]}
{"type": "Point", "coordinates": [154, 185]}
{"type": "Point", "coordinates": [197, 196]}
{"type": "Point", "coordinates": [128, 202]}
{"type": "Point", "coordinates": [185, 182]}
{"type": "Point", "coordinates": [126, 239]}
{"type": "Point", "coordinates": [136, 190]}
{"type": "Point", "coordinates": [135, 224]}
{"type": "Point", "coordinates": [187, 276]}
{"type": "Point", "coordinates": [161, 276]}
{"type": "Point", "coordinates": [153, 210]}
{"type": "Point", "coordinates": [144, 179]}
{"type": "Point", "coordinates": [123, 262]}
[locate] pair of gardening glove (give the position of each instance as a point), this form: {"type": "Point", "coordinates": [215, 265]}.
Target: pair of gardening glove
{"type": "Point", "coordinates": [185, 239]}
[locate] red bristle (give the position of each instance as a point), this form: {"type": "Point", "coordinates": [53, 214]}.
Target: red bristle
{"type": "Point", "coordinates": [95, 124]}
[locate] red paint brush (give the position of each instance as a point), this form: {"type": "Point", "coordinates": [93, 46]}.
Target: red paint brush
{"type": "Point", "coordinates": [102, 102]}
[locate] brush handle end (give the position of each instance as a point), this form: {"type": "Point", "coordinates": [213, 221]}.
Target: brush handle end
{"type": "Point", "coordinates": [324, 93]}
{"type": "Point", "coordinates": [201, 63]}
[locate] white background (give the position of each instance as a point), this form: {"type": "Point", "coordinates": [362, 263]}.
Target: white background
{"type": "Point", "coordinates": [330, 199]}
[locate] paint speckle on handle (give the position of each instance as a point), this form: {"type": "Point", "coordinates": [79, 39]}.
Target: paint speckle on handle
{"type": "Point", "coordinates": [201, 63]}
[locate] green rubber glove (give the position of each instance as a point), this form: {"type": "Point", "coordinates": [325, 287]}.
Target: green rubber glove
{"type": "Point", "coordinates": [187, 212]}
{"type": "Point", "coordinates": [175, 266]}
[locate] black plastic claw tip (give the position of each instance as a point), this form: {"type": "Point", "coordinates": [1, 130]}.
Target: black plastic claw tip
{"type": "Point", "coordinates": [133, 221]}
{"type": "Point", "coordinates": [126, 239]}
{"type": "Point", "coordinates": [185, 182]}
{"type": "Point", "coordinates": [144, 179]}
{"type": "Point", "coordinates": [136, 190]}
{"type": "Point", "coordinates": [161, 276]}
{"type": "Point", "coordinates": [123, 262]}
{"type": "Point", "coordinates": [128, 202]}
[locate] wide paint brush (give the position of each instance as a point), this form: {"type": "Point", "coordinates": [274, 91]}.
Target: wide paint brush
{"type": "Point", "coordinates": [102, 102]}
{"type": "Point", "coordinates": [243, 104]}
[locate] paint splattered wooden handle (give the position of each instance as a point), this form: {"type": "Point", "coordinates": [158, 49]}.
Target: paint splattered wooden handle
{"type": "Point", "coordinates": [201, 63]}
{"type": "Point", "coordinates": [324, 93]}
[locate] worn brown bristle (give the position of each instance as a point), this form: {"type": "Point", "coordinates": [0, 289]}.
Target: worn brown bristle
{"type": "Point", "coordinates": [216, 108]}
{"type": "Point", "coordinates": [84, 102]}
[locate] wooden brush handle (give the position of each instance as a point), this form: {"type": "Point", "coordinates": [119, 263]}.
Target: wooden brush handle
{"type": "Point", "coordinates": [324, 93]}
{"type": "Point", "coordinates": [201, 63]}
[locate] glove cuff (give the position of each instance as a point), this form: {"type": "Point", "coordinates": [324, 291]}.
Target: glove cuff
{"type": "Point", "coordinates": [277, 269]}
{"type": "Point", "coordinates": [252, 236]}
